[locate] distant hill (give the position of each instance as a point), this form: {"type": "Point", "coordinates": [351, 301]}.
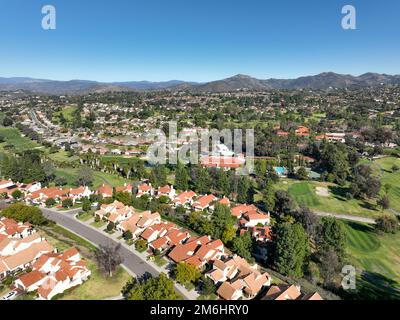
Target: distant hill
{"type": "Point", "coordinates": [321, 81]}
{"type": "Point", "coordinates": [324, 80]}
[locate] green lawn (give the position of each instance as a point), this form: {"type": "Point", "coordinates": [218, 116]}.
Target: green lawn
{"type": "Point", "coordinates": [304, 192]}
{"type": "Point", "coordinates": [66, 239]}
{"type": "Point", "coordinates": [13, 137]}
{"type": "Point", "coordinates": [84, 216]}
{"type": "Point", "coordinates": [62, 156]}
{"type": "Point", "coordinates": [98, 224]}
{"type": "Point", "coordinates": [67, 112]}
{"type": "Point", "coordinates": [71, 175]}
{"type": "Point", "coordinates": [98, 287]}
{"type": "Point", "coordinates": [392, 178]}
{"type": "Point", "coordinates": [160, 261]}
{"type": "Point", "coordinates": [378, 256]}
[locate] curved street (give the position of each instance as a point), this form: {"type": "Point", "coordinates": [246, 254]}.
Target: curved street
{"type": "Point", "coordinates": [132, 262]}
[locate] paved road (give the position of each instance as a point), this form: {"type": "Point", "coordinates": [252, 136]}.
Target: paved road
{"type": "Point", "coordinates": [132, 262]}
{"type": "Point", "coordinates": [345, 217]}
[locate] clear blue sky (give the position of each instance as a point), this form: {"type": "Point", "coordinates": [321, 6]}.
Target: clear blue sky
{"type": "Point", "coordinates": [200, 40]}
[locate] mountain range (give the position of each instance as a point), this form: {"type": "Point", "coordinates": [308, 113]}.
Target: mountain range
{"type": "Point", "coordinates": [321, 81]}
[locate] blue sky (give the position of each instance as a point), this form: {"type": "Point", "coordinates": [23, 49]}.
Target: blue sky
{"type": "Point", "coordinates": [157, 40]}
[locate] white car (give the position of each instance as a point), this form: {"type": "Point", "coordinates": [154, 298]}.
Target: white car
{"type": "Point", "coordinates": [10, 296]}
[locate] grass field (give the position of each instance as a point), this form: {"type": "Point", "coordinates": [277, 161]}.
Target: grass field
{"type": "Point", "coordinates": [62, 156]}
{"type": "Point", "coordinates": [378, 256]}
{"type": "Point", "coordinates": [71, 175]}
{"type": "Point", "coordinates": [13, 137]}
{"type": "Point", "coordinates": [84, 216]}
{"type": "Point", "coordinates": [67, 113]}
{"type": "Point", "coordinates": [98, 224]}
{"type": "Point", "coordinates": [98, 287]}
{"type": "Point", "coordinates": [392, 178]}
{"type": "Point", "coordinates": [304, 192]}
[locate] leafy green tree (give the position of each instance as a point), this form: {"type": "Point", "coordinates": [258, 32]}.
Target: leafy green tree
{"type": "Point", "coordinates": [50, 202]}
{"type": "Point", "coordinates": [221, 221]}
{"type": "Point", "coordinates": [222, 182]}
{"type": "Point", "coordinates": [158, 176]}
{"type": "Point", "coordinates": [60, 181]}
{"type": "Point", "coordinates": [384, 202]}
{"type": "Point", "coordinates": [329, 266]}
{"type": "Point", "coordinates": [284, 203]}
{"type": "Point", "coordinates": [180, 210]}
{"type": "Point", "coordinates": [127, 235]}
{"type": "Point", "coordinates": [128, 287]}
{"type": "Point", "coordinates": [302, 174]}
{"type": "Point", "coordinates": [86, 205]}
{"type": "Point", "coordinates": [268, 199]}
{"type": "Point", "coordinates": [334, 160]}
{"type": "Point", "coordinates": [186, 273]}
{"type": "Point", "coordinates": [124, 197]}
{"type": "Point", "coordinates": [228, 234]}
{"type": "Point", "coordinates": [203, 181]}
{"type": "Point", "coordinates": [364, 183]}
{"type": "Point", "coordinates": [387, 224]}
{"type": "Point", "coordinates": [141, 203]}
{"type": "Point", "coordinates": [331, 234]}
{"type": "Point", "coordinates": [85, 176]}
{"type": "Point", "coordinates": [67, 203]}
{"type": "Point", "coordinates": [292, 249]}
{"type": "Point", "coordinates": [110, 226]}
{"type": "Point", "coordinates": [243, 246]}
{"type": "Point", "coordinates": [159, 288]}
{"type": "Point", "coordinates": [207, 286]}
{"type": "Point", "coordinates": [16, 194]}
{"type": "Point", "coordinates": [141, 245]}
{"type": "Point", "coordinates": [243, 190]}
{"type": "Point", "coordinates": [77, 118]}
{"type": "Point", "coordinates": [7, 121]}
{"type": "Point", "coordinates": [23, 213]}
{"type": "Point", "coordinates": [181, 178]}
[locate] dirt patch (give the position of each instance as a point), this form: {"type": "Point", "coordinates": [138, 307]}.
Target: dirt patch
{"type": "Point", "coordinates": [322, 192]}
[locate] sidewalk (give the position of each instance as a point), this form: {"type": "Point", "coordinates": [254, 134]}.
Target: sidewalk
{"type": "Point", "coordinates": [192, 294]}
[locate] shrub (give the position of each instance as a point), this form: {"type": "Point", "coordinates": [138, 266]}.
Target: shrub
{"type": "Point", "coordinates": [110, 227]}
{"type": "Point", "coordinates": [141, 245]}
{"type": "Point", "coordinates": [387, 224]}
{"type": "Point", "coordinates": [127, 235]}
{"type": "Point", "coordinates": [50, 202]}
{"type": "Point", "coordinates": [67, 203]}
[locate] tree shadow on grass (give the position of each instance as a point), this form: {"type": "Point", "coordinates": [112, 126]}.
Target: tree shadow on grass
{"type": "Point", "coordinates": [340, 193]}
{"type": "Point", "coordinates": [373, 286]}
{"type": "Point", "coordinates": [359, 226]}
{"type": "Point", "coordinates": [368, 206]}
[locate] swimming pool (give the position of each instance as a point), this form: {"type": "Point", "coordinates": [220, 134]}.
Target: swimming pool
{"type": "Point", "coordinates": [279, 170]}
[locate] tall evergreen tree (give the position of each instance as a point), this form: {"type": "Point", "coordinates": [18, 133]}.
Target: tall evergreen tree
{"type": "Point", "coordinates": [292, 249]}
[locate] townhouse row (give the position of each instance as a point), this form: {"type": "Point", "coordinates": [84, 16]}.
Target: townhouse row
{"type": "Point", "coordinates": [50, 273]}
{"type": "Point", "coordinates": [233, 275]}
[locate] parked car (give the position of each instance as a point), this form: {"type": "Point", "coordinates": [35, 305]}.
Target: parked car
{"type": "Point", "coordinates": [10, 296]}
